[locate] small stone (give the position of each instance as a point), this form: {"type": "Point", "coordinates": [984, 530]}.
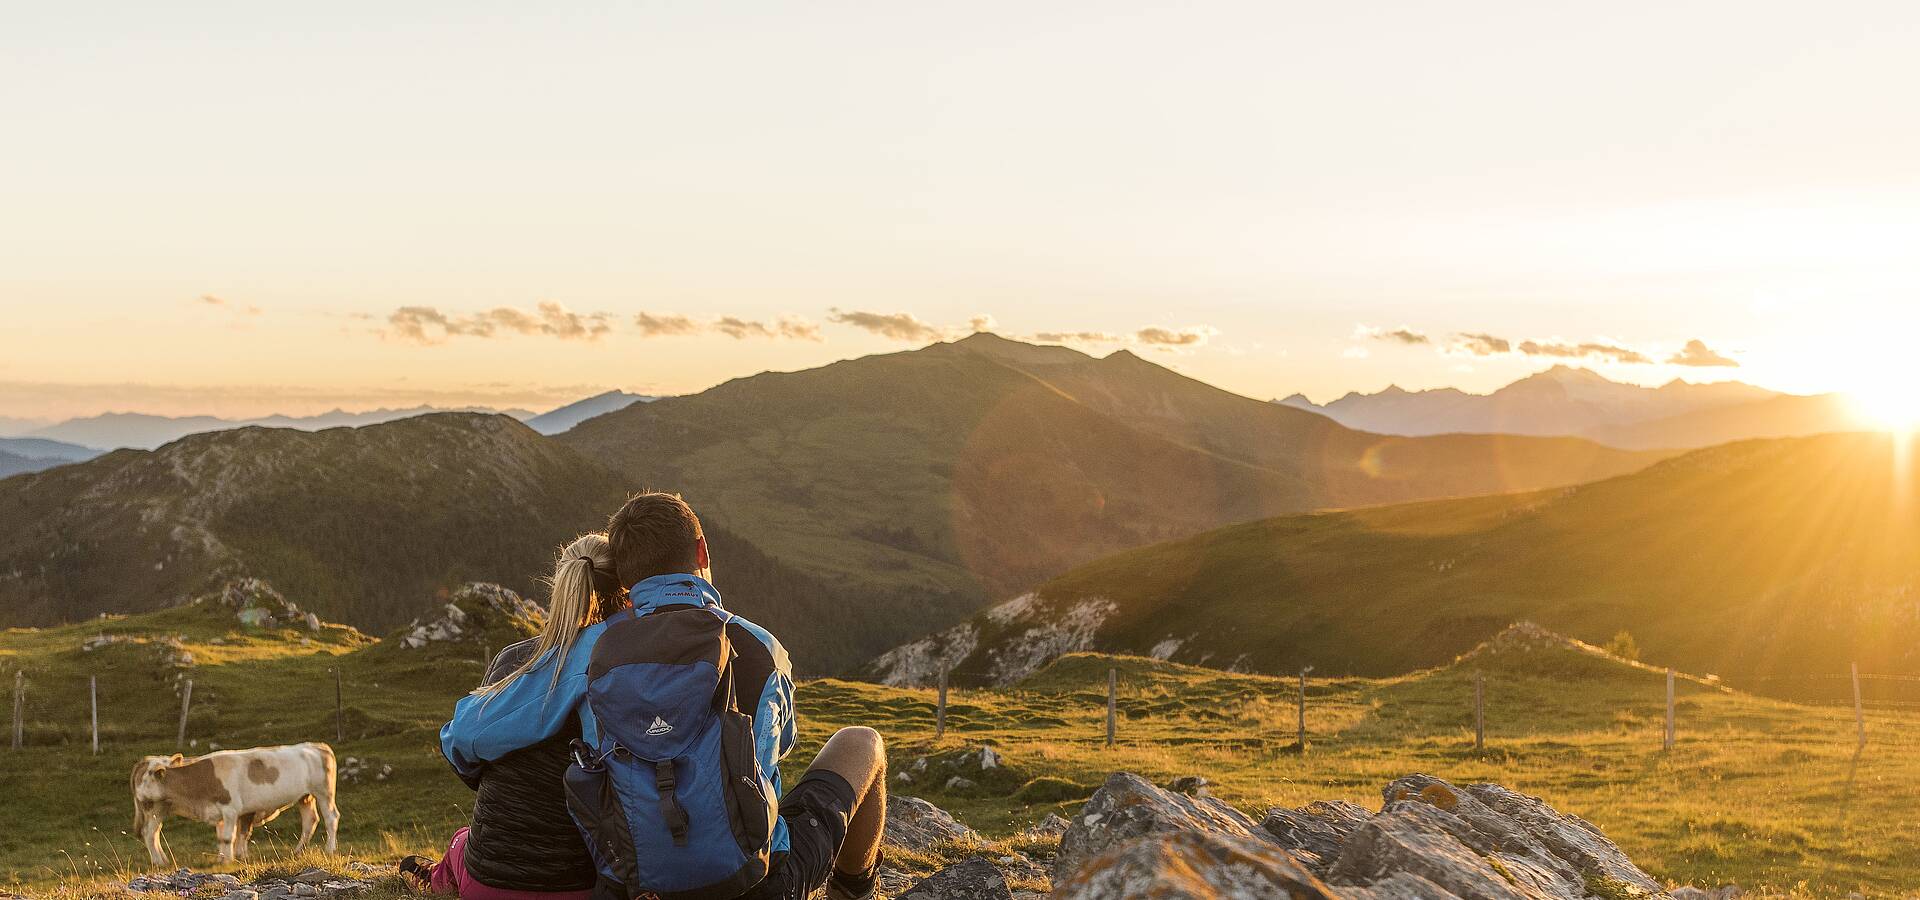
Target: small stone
{"type": "Point", "coordinates": [959, 783]}
{"type": "Point", "coordinates": [241, 895]}
{"type": "Point", "coordinates": [312, 876]}
{"type": "Point", "coordinates": [1191, 785]}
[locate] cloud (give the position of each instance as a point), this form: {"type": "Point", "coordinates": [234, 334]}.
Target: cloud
{"type": "Point", "coordinates": [1403, 335]}
{"type": "Point", "coordinates": [981, 322]}
{"type": "Point", "coordinates": [664, 324]}
{"type": "Point", "coordinates": [247, 309]}
{"type": "Point", "coordinates": [788, 328]}
{"type": "Point", "coordinates": [1169, 338]}
{"type": "Point", "coordinates": [1077, 337]}
{"type": "Point", "coordinates": [1481, 344]}
{"type": "Point", "coordinates": [427, 325]}
{"type": "Point", "coordinates": [1610, 352]}
{"type": "Point", "coordinates": [1355, 353]}
{"type": "Point", "coordinates": [898, 326]}
{"type": "Point", "coordinates": [1696, 353]}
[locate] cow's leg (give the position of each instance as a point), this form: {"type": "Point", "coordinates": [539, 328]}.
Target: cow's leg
{"type": "Point", "coordinates": [330, 815]}
{"type": "Point", "coordinates": [150, 836]}
{"type": "Point", "coordinates": [223, 833]}
{"type": "Point", "coordinates": [244, 833]}
{"type": "Point", "coordinates": [308, 818]}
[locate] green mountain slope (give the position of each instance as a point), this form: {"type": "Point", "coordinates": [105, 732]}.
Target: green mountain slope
{"type": "Point", "coordinates": [364, 524]}
{"type": "Point", "coordinates": [930, 480]}
{"type": "Point", "coordinates": [1765, 562]}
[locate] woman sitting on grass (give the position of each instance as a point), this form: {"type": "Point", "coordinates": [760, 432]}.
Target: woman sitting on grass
{"type": "Point", "coordinates": [523, 843]}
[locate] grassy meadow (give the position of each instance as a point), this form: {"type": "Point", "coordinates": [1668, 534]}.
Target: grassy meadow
{"type": "Point", "coordinates": [1760, 792]}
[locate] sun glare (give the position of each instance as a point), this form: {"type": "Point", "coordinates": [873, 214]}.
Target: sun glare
{"type": "Point", "coordinates": [1893, 407]}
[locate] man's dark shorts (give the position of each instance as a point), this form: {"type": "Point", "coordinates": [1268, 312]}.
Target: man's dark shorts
{"type": "Point", "coordinates": [816, 810]}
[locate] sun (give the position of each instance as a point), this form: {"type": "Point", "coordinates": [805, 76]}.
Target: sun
{"type": "Point", "coordinates": [1893, 406]}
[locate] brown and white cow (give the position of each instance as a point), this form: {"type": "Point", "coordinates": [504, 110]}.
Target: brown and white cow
{"type": "Point", "coordinates": [236, 790]}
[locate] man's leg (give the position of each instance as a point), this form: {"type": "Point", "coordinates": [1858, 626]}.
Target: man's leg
{"type": "Point", "coordinates": [859, 755]}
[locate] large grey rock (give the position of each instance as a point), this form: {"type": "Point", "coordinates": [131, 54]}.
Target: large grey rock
{"type": "Point", "coordinates": [1569, 839]}
{"type": "Point", "coordinates": [974, 879]}
{"type": "Point", "coordinates": [1542, 851]}
{"type": "Point", "coordinates": [1315, 833]}
{"type": "Point", "coordinates": [915, 824]}
{"type": "Point", "coordinates": [1398, 886]}
{"type": "Point", "coordinates": [1417, 839]}
{"type": "Point", "coordinates": [1193, 865]}
{"type": "Point", "coordinates": [1129, 807]}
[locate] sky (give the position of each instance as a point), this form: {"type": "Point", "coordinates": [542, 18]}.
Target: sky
{"type": "Point", "coordinates": [242, 208]}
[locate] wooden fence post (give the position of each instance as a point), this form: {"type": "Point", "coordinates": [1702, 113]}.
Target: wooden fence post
{"type": "Point", "coordinates": [1668, 743]}
{"type": "Point", "coordinates": [339, 709]}
{"type": "Point", "coordinates": [940, 709]}
{"type": "Point", "coordinates": [1479, 711]}
{"type": "Point", "coordinates": [186, 703]}
{"type": "Point", "coordinates": [1303, 709]}
{"type": "Point", "coordinates": [19, 708]}
{"type": "Point", "coordinates": [1859, 710]}
{"type": "Point", "coordinates": [1113, 700]}
{"type": "Point", "coordinates": [93, 700]}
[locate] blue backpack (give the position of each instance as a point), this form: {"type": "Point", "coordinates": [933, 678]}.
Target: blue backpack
{"type": "Point", "coordinates": [671, 801]}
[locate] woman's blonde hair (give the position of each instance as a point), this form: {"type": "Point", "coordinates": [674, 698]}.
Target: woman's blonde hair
{"type": "Point", "coordinates": [582, 593]}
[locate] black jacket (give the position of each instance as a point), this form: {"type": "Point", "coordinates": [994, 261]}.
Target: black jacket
{"type": "Point", "coordinates": [522, 837]}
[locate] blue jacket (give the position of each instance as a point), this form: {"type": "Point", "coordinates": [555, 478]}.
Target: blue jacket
{"type": "Point", "coordinates": [486, 728]}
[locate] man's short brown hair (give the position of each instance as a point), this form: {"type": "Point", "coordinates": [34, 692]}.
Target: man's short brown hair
{"type": "Point", "coordinates": [654, 534]}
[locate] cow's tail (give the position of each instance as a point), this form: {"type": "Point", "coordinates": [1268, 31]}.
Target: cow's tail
{"type": "Point", "coordinates": [139, 815]}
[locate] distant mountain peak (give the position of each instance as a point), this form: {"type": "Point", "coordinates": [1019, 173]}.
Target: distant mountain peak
{"type": "Point", "coordinates": [1566, 374]}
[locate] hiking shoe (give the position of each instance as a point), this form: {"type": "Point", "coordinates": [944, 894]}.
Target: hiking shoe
{"type": "Point", "coordinates": [837, 891]}
{"type": "Point", "coordinates": [841, 886]}
{"type": "Point", "coordinates": [418, 866]}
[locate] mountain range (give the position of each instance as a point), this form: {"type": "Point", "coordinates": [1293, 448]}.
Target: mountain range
{"type": "Point", "coordinates": [939, 478]}
{"type": "Point", "coordinates": [1571, 401]}
{"type": "Point", "coordinates": [558, 420]}
{"type": "Point", "coordinates": [1772, 563]}
{"type": "Point", "coordinates": [853, 506]}
{"type": "Point", "coordinates": [19, 455]}
{"type": "Point", "coordinates": [113, 431]}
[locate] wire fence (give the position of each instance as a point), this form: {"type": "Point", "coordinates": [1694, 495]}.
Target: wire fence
{"type": "Point", "coordinates": [116, 707]}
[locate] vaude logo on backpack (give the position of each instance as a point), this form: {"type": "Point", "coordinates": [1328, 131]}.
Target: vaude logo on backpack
{"type": "Point", "coordinates": [671, 800]}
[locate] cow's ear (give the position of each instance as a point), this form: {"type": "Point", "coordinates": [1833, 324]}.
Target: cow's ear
{"type": "Point", "coordinates": [175, 760]}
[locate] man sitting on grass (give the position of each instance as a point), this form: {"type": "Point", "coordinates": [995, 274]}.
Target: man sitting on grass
{"type": "Point", "coordinates": [829, 824]}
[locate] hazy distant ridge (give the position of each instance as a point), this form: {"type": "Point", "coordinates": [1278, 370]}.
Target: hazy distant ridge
{"type": "Point", "coordinates": [1582, 403]}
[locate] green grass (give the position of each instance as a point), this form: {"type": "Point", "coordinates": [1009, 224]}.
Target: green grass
{"type": "Point", "coordinates": [1757, 792]}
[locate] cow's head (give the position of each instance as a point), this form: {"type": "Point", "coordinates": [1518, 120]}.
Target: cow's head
{"type": "Point", "coordinates": [149, 784]}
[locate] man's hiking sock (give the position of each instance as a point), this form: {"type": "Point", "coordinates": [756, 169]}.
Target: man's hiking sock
{"type": "Point", "coordinates": [842, 886]}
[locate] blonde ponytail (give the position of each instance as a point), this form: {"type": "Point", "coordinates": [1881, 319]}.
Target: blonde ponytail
{"type": "Point", "coordinates": [572, 604]}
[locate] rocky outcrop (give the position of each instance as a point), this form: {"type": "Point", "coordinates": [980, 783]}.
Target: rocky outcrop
{"type": "Point", "coordinates": [478, 611]}
{"type": "Point", "coordinates": [1315, 832]}
{"type": "Point", "coordinates": [1193, 864]}
{"type": "Point", "coordinates": [256, 604]}
{"type": "Point", "coordinates": [309, 884]}
{"type": "Point", "coordinates": [1128, 807]}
